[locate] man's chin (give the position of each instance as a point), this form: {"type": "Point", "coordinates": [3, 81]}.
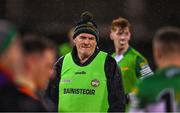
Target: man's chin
{"type": "Point", "coordinates": [85, 50]}
{"type": "Point", "coordinates": [86, 54]}
{"type": "Point", "coordinates": [121, 48]}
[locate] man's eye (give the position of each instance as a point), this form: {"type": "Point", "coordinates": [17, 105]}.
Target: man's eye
{"type": "Point", "coordinates": [91, 38]}
{"type": "Point", "coordinates": [82, 38]}
{"type": "Point", "coordinates": [120, 34]}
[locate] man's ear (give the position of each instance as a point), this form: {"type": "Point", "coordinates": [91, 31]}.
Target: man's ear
{"type": "Point", "coordinates": [130, 36]}
{"type": "Point", "coordinates": [111, 35]}
{"type": "Point", "coordinates": [157, 55]}
{"type": "Point", "coordinates": [74, 41]}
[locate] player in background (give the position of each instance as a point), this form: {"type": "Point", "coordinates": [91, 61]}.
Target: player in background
{"type": "Point", "coordinates": [161, 91]}
{"type": "Point", "coordinates": [132, 64]}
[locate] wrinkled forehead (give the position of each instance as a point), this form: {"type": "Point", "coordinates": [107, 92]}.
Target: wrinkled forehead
{"type": "Point", "coordinates": [87, 35]}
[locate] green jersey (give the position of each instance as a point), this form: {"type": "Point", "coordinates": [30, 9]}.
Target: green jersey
{"type": "Point", "coordinates": [133, 66]}
{"type": "Point", "coordinates": [82, 89]}
{"type": "Point", "coordinates": [160, 92]}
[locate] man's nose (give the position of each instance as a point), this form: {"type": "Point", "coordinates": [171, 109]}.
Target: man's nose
{"type": "Point", "coordinates": [86, 41]}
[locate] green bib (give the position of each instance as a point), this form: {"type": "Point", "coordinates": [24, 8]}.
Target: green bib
{"type": "Point", "coordinates": [83, 88]}
{"type": "Point", "coordinates": [129, 68]}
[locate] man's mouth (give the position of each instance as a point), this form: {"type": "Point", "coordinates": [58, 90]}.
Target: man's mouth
{"type": "Point", "coordinates": [85, 47]}
{"type": "Point", "coordinates": [122, 42]}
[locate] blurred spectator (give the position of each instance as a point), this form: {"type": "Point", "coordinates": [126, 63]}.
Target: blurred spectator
{"type": "Point", "coordinates": [161, 92]}
{"type": "Point", "coordinates": [10, 64]}
{"type": "Point", "coordinates": [132, 64]}
{"type": "Point", "coordinates": [37, 57]}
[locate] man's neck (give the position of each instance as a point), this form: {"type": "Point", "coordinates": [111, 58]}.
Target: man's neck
{"type": "Point", "coordinates": [173, 61]}
{"type": "Point", "coordinates": [83, 58]}
{"type": "Point", "coordinates": [121, 51]}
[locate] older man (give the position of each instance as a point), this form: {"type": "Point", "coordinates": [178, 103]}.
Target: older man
{"type": "Point", "coordinates": [87, 79]}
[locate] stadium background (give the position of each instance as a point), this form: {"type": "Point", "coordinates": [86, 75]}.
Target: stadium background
{"type": "Point", "coordinates": [55, 17]}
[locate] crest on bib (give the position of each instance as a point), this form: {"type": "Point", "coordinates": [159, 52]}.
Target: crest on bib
{"type": "Point", "coordinates": [95, 83]}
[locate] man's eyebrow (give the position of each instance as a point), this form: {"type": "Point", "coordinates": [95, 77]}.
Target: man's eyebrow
{"type": "Point", "coordinates": [82, 37]}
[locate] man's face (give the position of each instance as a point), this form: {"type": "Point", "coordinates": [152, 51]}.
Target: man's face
{"type": "Point", "coordinates": [43, 68]}
{"type": "Point", "coordinates": [85, 44]}
{"type": "Point", "coordinates": [120, 37]}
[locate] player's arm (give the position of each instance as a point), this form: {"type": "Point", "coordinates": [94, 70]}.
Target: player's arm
{"type": "Point", "coordinates": [142, 67]}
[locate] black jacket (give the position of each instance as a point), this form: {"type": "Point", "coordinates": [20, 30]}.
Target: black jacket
{"type": "Point", "coordinates": [14, 100]}
{"type": "Point", "coordinates": [116, 95]}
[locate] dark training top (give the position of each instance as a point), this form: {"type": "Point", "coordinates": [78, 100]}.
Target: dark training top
{"type": "Point", "coordinates": [14, 98]}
